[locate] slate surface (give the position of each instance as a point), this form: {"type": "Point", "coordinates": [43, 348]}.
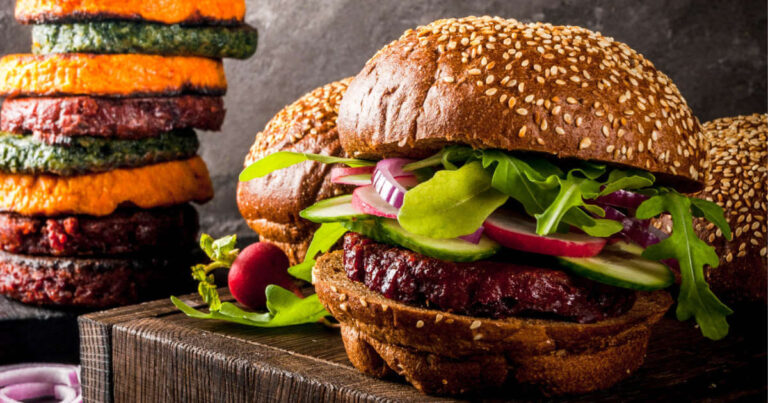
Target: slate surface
{"type": "Point", "coordinates": [714, 50]}
{"type": "Point", "coordinates": [32, 334]}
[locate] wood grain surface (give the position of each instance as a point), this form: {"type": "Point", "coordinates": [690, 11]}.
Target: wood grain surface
{"type": "Point", "coordinates": [29, 333]}
{"type": "Point", "coordinates": [158, 354]}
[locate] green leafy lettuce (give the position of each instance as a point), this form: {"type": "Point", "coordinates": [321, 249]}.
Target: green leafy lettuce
{"type": "Point", "coordinates": [324, 238]}
{"type": "Point", "coordinates": [285, 159]}
{"type": "Point", "coordinates": [691, 253]}
{"type": "Point", "coordinates": [284, 308]}
{"type": "Point", "coordinates": [466, 200]}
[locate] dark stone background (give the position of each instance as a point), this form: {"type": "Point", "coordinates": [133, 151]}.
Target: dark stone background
{"type": "Point", "coordinates": [714, 50]}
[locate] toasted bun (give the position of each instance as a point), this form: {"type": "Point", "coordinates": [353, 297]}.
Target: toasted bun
{"type": "Point", "coordinates": [495, 83]}
{"type": "Point", "coordinates": [737, 178]}
{"type": "Point", "coordinates": [443, 353]}
{"type": "Point", "coordinates": [271, 205]}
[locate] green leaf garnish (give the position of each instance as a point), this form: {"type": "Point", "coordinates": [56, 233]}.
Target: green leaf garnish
{"type": "Point", "coordinates": [324, 238]}
{"type": "Point", "coordinates": [284, 308]}
{"type": "Point", "coordinates": [466, 198]}
{"type": "Point", "coordinates": [284, 159]}
{"type": "Point", "coordinates": [695, 298]}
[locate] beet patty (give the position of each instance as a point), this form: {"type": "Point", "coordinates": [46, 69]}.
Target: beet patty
{"type": "Point", "coordinates": [484, 288]}
{"type": "Point", "coordinates": [93, 283]}
{"type": "Point", "coordinates": [125, 231]}
{"type": "Point", "coordinates": [53, 120]}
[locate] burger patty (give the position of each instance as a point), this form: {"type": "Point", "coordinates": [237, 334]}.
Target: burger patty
{"type": "Point", "coordinates": [55, 120]}
{"type": "Point", "coordinates": [92, 283]}
{"type": "Point", "coordinates": [27, 155]}
{"type": "Point", "coordinates": [125, 231]}
{"type": "Point", "coordinates": [484, 288]}
{"type": "Point", "coordinates": [130, 37]}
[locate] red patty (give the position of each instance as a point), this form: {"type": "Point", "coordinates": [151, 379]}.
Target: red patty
{"type": "Point", "coordinates": [125, 231]}
{"type": "Point", "coordinates": [53, 120]}
{"type": "Point", "coordinates": [484, 288]}
{"type": "Point", "coordinates": [92, 283]}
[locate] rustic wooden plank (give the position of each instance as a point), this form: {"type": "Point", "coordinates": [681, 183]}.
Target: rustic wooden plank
{"type": "Point", "coordinates": [30, 333]}
{"type": "Point", "coordinates": [160, 354]}
{"type": "Point", "coordinates": [96, 344]}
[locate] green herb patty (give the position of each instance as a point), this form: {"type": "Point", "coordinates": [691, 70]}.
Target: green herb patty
{"type": "Point", "coordinates": [129, 37]}
{"type": "Point", "coordinates": [27, 155]}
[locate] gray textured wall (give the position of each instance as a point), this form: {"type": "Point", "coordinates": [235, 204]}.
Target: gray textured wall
{"type": "Point", "coordinates": [714, 50]}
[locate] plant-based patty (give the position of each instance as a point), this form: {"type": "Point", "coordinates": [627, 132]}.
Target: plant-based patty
{"type": "Point", "coordinates": [109, 75]}
{"type": "Point", "coordinates": [156, 185]}
{"type": "Point", "coordinates": [167, 12]}
{"type": "Point", "coordinates": [125, 231]}
{"type": "Point", "coordinates": [55, 120]}
{"type": "Point", "coordinates": [130, 37]}
{"type": "Point", "coordinates": [93, 283]}
{"type": "Point", "coordinates": [28, 155]}
{"type": "Point", "coordinates": [486, 289]}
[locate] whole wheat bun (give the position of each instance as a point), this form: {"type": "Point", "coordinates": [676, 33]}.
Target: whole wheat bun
{"type": "Point", "coordinates": [737, 176]}
{"type": "Point", "coordinates": [271, 205]}
{"type": "Point", "coordinates": [444, 353]}
{"type": "Point", "coordinates": [497, 83]}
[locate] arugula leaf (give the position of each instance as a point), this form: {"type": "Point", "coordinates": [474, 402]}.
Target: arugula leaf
{"type": "Point", "coordinates": [284, 309]}
{"type": "Point", "coordinates": [627, 180]}
{"type": "Point", "coordinates": [712, 213]}
{"type": "Point", "coordinates": [572, 192]}
{"type": "Point", "coordinates": [522, 182]}
{"type": "Point", "coordinates": [447, 157]}
{"type": "Point", "coordinates": [695, 298]}
{"type": "Point", "coordinates": [284, 159]}
{"type": "Point", "coordinates": [466, 198]}
{"type": "Point", "coordinates": [324, 238]}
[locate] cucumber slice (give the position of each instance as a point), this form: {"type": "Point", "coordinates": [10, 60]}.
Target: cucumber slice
{"type": "Point", "coordinates": [454, 250]}
{"type": "Point", "coordinates": [333, 210]}
{"type": "Point", "coordinates": [621, 265]}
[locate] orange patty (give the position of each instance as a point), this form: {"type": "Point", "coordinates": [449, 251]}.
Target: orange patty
{"type": "Point", "coordinates": [109, 75]}
{"type": "Point", "coordinates": [157, 185]}
{"type": "Point", "coordinates": [162, 11]}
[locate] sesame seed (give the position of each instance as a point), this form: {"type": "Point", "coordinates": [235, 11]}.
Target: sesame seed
{"type": "Point", "coordinates": [521, 132]}
{"type": "Point", "coordinates": [474, 72]}
{"type": "Point", "coordinates": [522, 111]}
{"type": "Point", "coordinates": [438, 317]}
{"type": "Point", "coordinates": [559, 130]}
{"type": "Point", "coordinates": [478, 336]}
{"type": "Point", "coordinates": [475, 324]}
{"type": "Point", "coordinates": [448, 79]}
{"type": "Point", "coordinates": [420, 324]}
{"type": "Point", "coordinates": [585, 143]}
{"type": "Point", "coordinates": [364, 303]}
{"type": "Point", "coordinates": [491, 91]}
{"type": "Point", "coordinates": [571, 100]}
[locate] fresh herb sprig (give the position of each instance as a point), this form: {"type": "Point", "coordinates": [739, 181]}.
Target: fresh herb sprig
{"type": "Point", "coordinates": [284, 308]}
{"type": "Point", "coordinates": [695, 298]}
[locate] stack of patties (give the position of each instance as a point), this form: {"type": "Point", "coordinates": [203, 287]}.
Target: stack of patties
{"type": "Point", "coordinates": [98, 156]}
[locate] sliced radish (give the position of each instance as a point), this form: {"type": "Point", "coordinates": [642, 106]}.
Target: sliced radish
{"type": "Point", "coordinates": [517, 232]}
{"type": "Point", "coordinates": [366, 200]}
{"type": "Point", "coordinates": [358, 176]}
{"type": "Point", "coordinates": [387, 180]}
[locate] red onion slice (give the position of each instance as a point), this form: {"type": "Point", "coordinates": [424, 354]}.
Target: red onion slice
{"type": "Point", "coordinates": [387, 180]}
{"type": "Point", "coordinates": [36, 390]}
{"type": "Point", "coordinates": [475, 236]}
{"type": "Point", "coordinates": [358, 176]}
{"type": "Point", "coordinates": [622, 198]}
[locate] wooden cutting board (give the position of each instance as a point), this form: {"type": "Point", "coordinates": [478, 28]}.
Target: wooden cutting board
{"type": "Point", "coordinates": [151, 352]}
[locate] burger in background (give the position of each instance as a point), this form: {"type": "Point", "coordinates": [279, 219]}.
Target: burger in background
{"type": "Point", "coordinates": [271, 205]}
{"type": "Point", "coordinates": [736, 169]}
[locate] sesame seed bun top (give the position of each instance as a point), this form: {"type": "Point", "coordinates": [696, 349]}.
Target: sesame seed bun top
{"type": "Point", "coordinates": [271, 205]}
{"type": "Point", "coordinates": [737, 176]}
{"type": "Point", "coordinates": [496, 83]}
